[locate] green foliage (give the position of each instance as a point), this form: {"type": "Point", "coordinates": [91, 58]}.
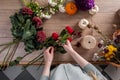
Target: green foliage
{"type": "Point", "coordinates": [16, 61]}
{"type": "Point", "coordinates": [24, 30]}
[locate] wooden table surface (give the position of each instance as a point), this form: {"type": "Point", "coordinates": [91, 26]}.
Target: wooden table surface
{"type": "Point", "coordinates": [104, 19]}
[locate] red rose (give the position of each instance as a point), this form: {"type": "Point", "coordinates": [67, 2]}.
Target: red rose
{"type": "Point", "coordinates": [26, 10]}
{"type": "Point", "coordinates": [37, 21]}
{"type": "Point", "coordinates": [69, 29]}
{"type": "Point", "coordinates": [41, 36]}
{"type": "Point", "coordinates": [70, 39]}
{"type": "Point", "coordinates": [55, 36]}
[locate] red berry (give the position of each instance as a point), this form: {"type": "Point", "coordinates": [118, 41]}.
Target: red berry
{"type": "Point", "coordinates": [99, 45]}
{"type": "Point", "coordinates": [106, 50]}
{"type": "Point", "coordinates": [78, 44]}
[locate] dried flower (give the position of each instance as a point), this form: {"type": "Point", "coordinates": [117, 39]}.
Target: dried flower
{"type": "Point", "coordinates": [55, 36]}
{"type": "Point", "coordinates": [27, 11]}
{"type": "Point", "coordinates": [41, 36]}
{"type": "Point", "coordinates": [69, 29]}
{"type": "Point", "coordinates": [37, 21]}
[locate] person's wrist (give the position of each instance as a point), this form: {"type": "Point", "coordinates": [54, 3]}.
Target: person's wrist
{"type": "Point", "coordinates": [72, 51]}
{"type": "Point", "coordinates": [48, 63]}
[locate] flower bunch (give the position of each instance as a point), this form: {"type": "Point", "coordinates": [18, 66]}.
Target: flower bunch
{"type": "Point", "coordinates": [46, 12]}
{"type": "Point", "coordinates": [57, 40]}
{"type": "Point", "coordinates": [109, 52]}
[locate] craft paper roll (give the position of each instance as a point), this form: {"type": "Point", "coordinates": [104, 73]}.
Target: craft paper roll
{"type": "Point", "coordinates": [88, 42]}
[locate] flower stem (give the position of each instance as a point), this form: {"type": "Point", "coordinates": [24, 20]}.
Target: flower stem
{"type": "Point", "coordinates": [34, 60]}
{"type": "Point", "coordinates": [117, 60]}
{"type": "Point", "coordinates": [14, 51]}
{"type": "Point", "coordinates": [9, 55]}
{"type": "Point", "coordinates": [3, 63]}
{"type": "Point", "coordinates": [6, 46]}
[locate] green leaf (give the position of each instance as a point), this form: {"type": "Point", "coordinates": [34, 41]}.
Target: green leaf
{"type": "Point", "coordinates": [18, 59]}
{"type": "Point", "coordinates": [27, 35]}
{"type": "Point", "coordinates": [60, 49]}
{"type": "Point", "coordinates": [63, 32]}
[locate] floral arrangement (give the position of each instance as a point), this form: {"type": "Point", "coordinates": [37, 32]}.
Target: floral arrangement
{"type": "Point", "coordinates": [109, 49]}
{"type": "Point", "coordinates": [27, 28]}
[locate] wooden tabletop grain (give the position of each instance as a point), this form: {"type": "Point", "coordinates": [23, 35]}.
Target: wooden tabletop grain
{"type": "Point", "coordinates": [104, 20]}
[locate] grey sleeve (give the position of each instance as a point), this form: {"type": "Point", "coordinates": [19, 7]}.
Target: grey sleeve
{"type": "Point", "coordinates": [90, 68]}
{"type": "Point", "coordinates": [44, 77]}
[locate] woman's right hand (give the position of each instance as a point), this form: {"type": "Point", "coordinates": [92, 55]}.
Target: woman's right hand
{"type": "Point", "coordinates": [68, 47]}
{"type": "Point", "coordinates": [48, 55]}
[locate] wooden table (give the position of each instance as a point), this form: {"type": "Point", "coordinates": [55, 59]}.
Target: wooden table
{"type": "Point", "coordinates": [104, 19]}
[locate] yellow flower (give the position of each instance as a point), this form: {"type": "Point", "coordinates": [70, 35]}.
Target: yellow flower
{"type": "Point", "coordinates": [106, 55]}
{"type": "Point", "coordinates": [111, 48]}
{"type": "Point", "coordinates": [108, 59]}
{"type": "Point", "coordinates": [111, 56]}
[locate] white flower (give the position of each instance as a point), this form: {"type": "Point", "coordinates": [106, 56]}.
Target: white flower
{"type": "Point", "coordinates": [95, 57]}
{"type": "Point", "coordinates": [61, 8]}
{"type": "Point", "coordinates": [83, 23]}
{"type": "Point", "coordinates": [53, 4]}
{"type": "Point", "coordinates": [52, 11]}
{"type": "Point", "coordinates": [46, 16]}
{"type": "Point", "coordinates": [94, 10]}
{"type": "Point", "coordinates": [101, 42]}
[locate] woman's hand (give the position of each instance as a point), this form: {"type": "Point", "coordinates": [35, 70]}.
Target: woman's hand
{"type": "Point", "coordinates": [79, 59]}
{"type": "Point", "coordinates": [68, 47]}
{"type": "Point", "coordinates": [48, 55]}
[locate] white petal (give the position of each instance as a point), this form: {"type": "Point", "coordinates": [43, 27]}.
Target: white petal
{"type": "Point", "coordinates": [61, 8]}
{"type": "Point", "coordinates": [47, 16]}
{"type": "Point", "coordinates": [52, 11]}
{"type": "Point", "coordinates": [101, 41]}
{"type": "Point", "coordinates": [53, 4]}
{"type": "Point", "coordinates": [95, 57]}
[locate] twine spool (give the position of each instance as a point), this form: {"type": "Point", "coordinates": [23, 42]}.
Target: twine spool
{"type": "Point", "coordinates": [88, 42]}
